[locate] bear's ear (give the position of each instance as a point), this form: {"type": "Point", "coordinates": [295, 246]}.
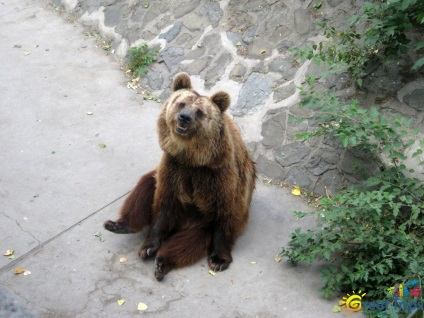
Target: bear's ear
{"type": "Point", "coordinates": [181, 81]}
{"type": "Point", "coordinates": [222, 100]}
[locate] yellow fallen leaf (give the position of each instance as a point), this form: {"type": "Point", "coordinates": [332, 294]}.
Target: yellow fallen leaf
{"type": "Point", "coordinates": [277, 258]}
{"type": "Point", "coordinates": [253, 263]}
{"type": "Point", "coordinates": [341, 302]}
{"type": "Point", "coordinates": [121, 302]}
{"type": "Point", "coordinates": [142, 306]}
{"type": "Point", "coordinates": [9, 253]}
{"type": "Point", "coordinates": [19, 270]}
{"type": "Point", "coordinates": [26, 273]}
{"type": "Point", "coordinates": [262, 52]}
{"type": "Point", "coordinates": [337, 309]}
{"type": "Point", "coordinates": [212, 272]}
{"type": "Point", "coordinates": [296, 190]}
{"type": "Point", "coordinates": [123, 260]}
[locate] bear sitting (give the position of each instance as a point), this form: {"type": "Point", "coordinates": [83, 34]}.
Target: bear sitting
{"type": "Point", "coordinates": [196, 202]}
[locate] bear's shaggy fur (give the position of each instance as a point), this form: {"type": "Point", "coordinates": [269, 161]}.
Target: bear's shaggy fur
{"type": "Point", "coordinates": [196, 202]}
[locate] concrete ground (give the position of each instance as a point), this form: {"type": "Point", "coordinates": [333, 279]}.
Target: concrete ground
{"type": "Point", "coordinates": [58, 186]}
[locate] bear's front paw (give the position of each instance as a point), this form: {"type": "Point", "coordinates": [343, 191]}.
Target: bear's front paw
{"type": "Point", "coordinates": [219, 263]}
{"type": "Point", "coordinates": [148, 251]}
{"type": "Point", "coordinates": [116, 227]}
{"type": "Point", "coordinates": [161, 268]}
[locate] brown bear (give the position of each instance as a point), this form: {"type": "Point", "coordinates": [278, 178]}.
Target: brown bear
{"type": "Point", "coordinates": [197, 201]}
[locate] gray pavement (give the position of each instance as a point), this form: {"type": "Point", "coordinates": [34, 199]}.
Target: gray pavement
{"type": "Point", "coordinates": [57, 187]}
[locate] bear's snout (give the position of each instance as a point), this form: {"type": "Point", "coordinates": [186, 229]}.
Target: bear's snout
{"type": "Point", "coordinates": [185, 118]}
{"type": "Point", "coordinates": [184, 122]}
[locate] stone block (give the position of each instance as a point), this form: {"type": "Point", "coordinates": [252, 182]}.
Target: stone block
{"type": "Point", "coordinates": [253, 94]}
{"type": "Point", "coordinates": [193, 22]}
{"type": "Point", "coordinates": [238, 72]}
{"type": "Point", "coordinates": [329, 183]}
{"type": "Point", "coordinates": [361, 168]}
{"type": "Point", "coordinates": [259, 49]}
{"type": "Point", "coordinates": [196, 66]}
{"type": "Point", "coordinates": [212, 10]}
{"type": "Point", "coordinates": [302, 21]}
{"type": "Point", "coordinates": [114, 14]}
{"type": "Point", "coordinates": [415, 97]}
{"type": "Point", "coordinates": [274, 130]}
{"type": "Point", "coordinates": [171, 56]}
{"type": "Point", "coordinates": [282, 66]}
{"type": "Point", "coordinates": [269, 168]}
{"type": "Point", "coordinates": [334, 3]}
{"type": "Point", "coordinates": [284, 92]}
{"type": "Point", "coordinates": [195, 54]}
{"type": "Point", "coordinates": [297, 176]}
{"type": "Point", "coordinates": [290, 154]}
{"type": "Point", "coordinates": [217, 70]}
{"type": "Point", "coordinates": [322, 161]}
{"type": "Point", "coordinates": [182, 7]}
{"type": "Point", "coordinates": [172, 32]}
{"type": "Point", "coordinates": [155, 77]}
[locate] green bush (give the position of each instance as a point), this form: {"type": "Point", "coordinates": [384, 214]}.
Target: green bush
{"type": "Point", "coordinates": [140, 58]}
{"type": "Point", "coordinates": [370, 235]}
{"type": "Point", "coordinates": [373, 231]}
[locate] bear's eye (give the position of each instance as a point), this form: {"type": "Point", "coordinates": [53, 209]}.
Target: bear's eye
{"type": "Point", "coordinates": [199, 114]}
{"type": "Point", "coordinates": [181, 105]}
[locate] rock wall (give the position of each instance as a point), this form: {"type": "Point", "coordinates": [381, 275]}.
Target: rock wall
{"type": "Point", "coordinates": [242, 46]}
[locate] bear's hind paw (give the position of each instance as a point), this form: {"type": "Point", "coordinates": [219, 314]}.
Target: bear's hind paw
{"type": "Point", "coordinates": [161, 268]}
{"type": "Point", "coordinates": [116, 227]}
{"type": "Point", "coordinates": [218, 263]}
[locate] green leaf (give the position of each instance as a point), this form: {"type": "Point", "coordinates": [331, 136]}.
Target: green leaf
{"type": "Point", "coordinates": [417, 153]}
{"type": "Point", "coordinates": [407, 3]}
{"type": "Point", "coordinates": [418, 64]}
{"type": "Point", "coordinates": [420, 44]}
{"type": "Point", "coordinates": [420, 18]}
{"type": "Point", "coordinates": [326, 254]}
{"type": "Point", "coordinates": [102, 146]}
{"type": "Point", "coordinates": [359, 81]}
{"type": "Point", "coordinates": [336, 309]}
{"type": "Point", "coordinates": [300, 214]}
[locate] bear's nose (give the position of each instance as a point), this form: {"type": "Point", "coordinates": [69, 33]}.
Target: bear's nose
{"type": "Point", "coordinates": [185, 118]}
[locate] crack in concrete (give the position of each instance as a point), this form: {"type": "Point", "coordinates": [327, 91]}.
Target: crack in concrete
{"type": "Point", "coordinates": [42, 244]}
{"type": "Point", "coordinates": [21, 228]}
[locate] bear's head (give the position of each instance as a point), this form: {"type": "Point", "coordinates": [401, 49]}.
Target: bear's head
{"type": "Point", "coordinates": [194, 127]}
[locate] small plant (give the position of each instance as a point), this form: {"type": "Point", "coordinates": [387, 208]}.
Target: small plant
{"type": "Point", "coordinates": [140, 58]}
{"type": "Point", "coordinates": [317, 5]}
{"type": "Point", "coordinates": [379, 33]}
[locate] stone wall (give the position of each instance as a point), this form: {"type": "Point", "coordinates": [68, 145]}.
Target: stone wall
{"type": "Point", "coordinates": [242, 46]}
